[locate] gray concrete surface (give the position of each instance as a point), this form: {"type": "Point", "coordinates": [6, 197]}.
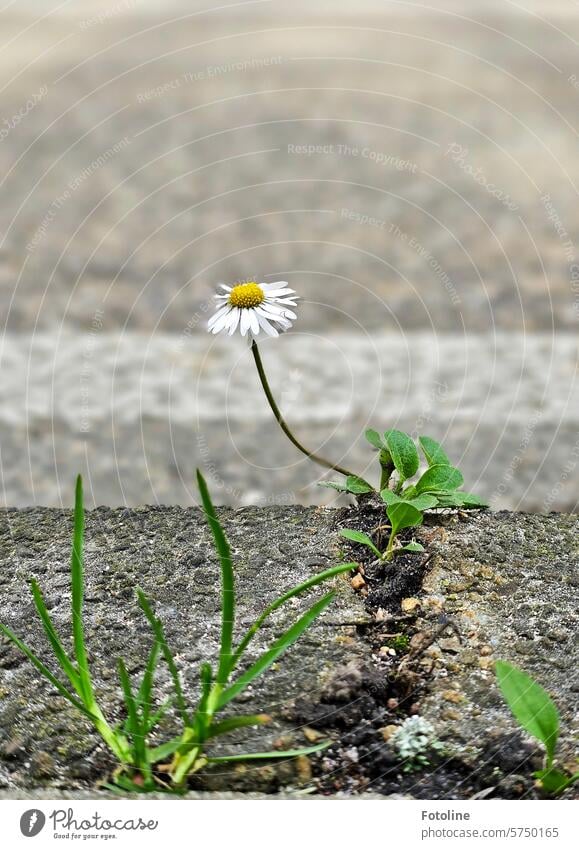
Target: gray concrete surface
{"type": "Point", "coordinates": [507, 583]}
{"type": "Point", "coordinates": [412, 173]}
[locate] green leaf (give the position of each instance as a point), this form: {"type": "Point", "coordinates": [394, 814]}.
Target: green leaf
{"type": "Point", "coordinates": [202, 719]}
{"type": "Point", "coordinates": [235, 722]}
{"type": "Point", "coordinates": [409, 493]}
{"type": "Point", "coordinates": [333, 572]}
{"type": "Point", "coordinates": [374, 438]}
{"type": "Point", "coordinates": [134, 728]}
{"type": "Point", "coordinates": [390, 497]}
{"type": "Point", "coordinates": [433, 451]}
{"type": "Point", "coordinates": [227, 582]}
{"type": "Point", "coordinates": [77, 569]}
{"type": "Point", "coordinates": [403, 515]}
{"type": "Point", "coordinates": [164, 751]}
{"type": "Point", "coordinates": [358, 485]}
{"type": "Point", "coordinates": [404, 453]}
{"type": "Point", "coordinates": [363, 539]}
{"type": "Point", "coordinates": [145, 695]}
{"type": "Point", "coordinates": [424, 502]}
{"type": "Point", "coordinates": [159, 714]}
{"type": "Point", "coordinates": [439, 478]}
{"type": "Point", "coordinates": [167, 654]}
{"type": "Point", "coordinates": [45, 671]}
{"type": "Point", "coordinates": [413, 546]}
{"type": "Point", "coordinates": [279, 646]}
{"type": "Point", "coordinates": [460, 499]}
{"type": "Point", "coordinates": [340, 487]}
{"type": "Point", "coordinates": [531, 705]}
{"type": "Point", "coordinates": [57, 647]}
{"type": "Point", "coordinates": [553, 781]}
{"type": "Point", "coordinates": [260, 756]}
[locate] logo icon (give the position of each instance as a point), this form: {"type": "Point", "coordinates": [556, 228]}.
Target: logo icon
{"type": "Point", "coordinates": [32, 822]}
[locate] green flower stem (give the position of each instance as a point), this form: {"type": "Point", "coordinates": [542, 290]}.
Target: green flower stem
{"type": "Point", "coordinates": [389, 553]}
{"type": "Point", "coordinates": [386, 468]}
{"type": "Point", "coordinates": [283, 424]}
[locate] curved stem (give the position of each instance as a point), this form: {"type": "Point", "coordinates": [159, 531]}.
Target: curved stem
{"type": "Point", "coordinates": [283, 424]}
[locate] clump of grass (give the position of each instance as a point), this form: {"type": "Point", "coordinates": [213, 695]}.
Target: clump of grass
{"type": "Point", "coordinates": [142, 765]}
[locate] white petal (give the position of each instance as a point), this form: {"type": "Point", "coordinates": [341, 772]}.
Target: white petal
{"type": "Point", "coordinates": [218, 321]}
{"type": "Point", "coordinates": [234, 321]}
{"type": "Point", "coordinates": [244, 322]}
{"type": "Point", "coordinates": [217, 328]}
{"type": "Point", "coordinates": [254, 322]}
{"type": "Point", "coordinates": [271, 310]}
{"type": "Point", "coordinates": [278, 293]}
{"type": "Point", "coordinates": [264, 323]}
{"type": "Point", "coordinates": [268, 287]}
{"type": "Point", "coordinates": [226, 288]}
{"type": "Point", "coordinates": [290, 302]}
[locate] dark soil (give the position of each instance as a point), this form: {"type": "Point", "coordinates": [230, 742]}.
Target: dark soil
{"type": "Point", "coordinates": [362, 700]}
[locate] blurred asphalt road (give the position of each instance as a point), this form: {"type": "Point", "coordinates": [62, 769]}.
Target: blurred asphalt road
{"type": "Point", "coordinates": [412, 171]}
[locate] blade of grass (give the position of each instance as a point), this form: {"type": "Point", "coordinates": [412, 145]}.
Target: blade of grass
{"type": "Point", "coordinates": [144, 695]}
{"type": "Point", "coordinates": [301, 588]}
{"type": "Point", "coordinates": [227, 582]}
{"type": "Point", "coordinates": [57, 647]}
{"type": "Point", "coordinates": [165, 750]}
{"type": "Point", "coordinates": [197, 733]}
{"type": "Point", "coordinates": [45, 671]}
{"type": "Point", "coordinates": [169, 660]}
{"type": "Point", "coordinates": [77, 564]}
{"type": "Point", "coordinates": [158, 715]}
{"type": "Point", "coordinates": [235, 722]}
{"type": "Point", "coordinates": [258, 756]}
{"type": "Point", "coordinates": [206, 676]}
{"type": "Point", "coordinates": [279, 646]}
{"type": "Point", "coordinates": [134, 727]}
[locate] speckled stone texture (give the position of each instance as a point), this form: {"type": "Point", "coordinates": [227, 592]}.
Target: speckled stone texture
{"type": "Point", "coordinates": [507, 584]}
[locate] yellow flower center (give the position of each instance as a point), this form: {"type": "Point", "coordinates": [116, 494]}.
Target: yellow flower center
{"type": "Point", "coordinates": [246, 295]}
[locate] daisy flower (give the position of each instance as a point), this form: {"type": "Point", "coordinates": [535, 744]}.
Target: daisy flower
{"type": "Point", "coordinates": [254, 307]}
